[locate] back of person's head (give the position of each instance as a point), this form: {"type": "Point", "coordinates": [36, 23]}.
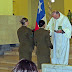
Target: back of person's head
{"type": "Point", "coordinates": [69, 10]}
{"type": "Point", "coordinates": [25, 66]}
{"type": "Point", "coordinates": [23, 20]}
{"type": "Point", "coordinates": [41, 23]}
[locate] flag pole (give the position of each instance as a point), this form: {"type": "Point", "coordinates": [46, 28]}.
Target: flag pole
{"type": "Point", "coordinates": [49, 9]}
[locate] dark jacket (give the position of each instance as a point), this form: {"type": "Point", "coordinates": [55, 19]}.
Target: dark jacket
{"type": "Point", "coordinates": [26, 40]}
{"type": "Point", "coordinates": [42, 41]}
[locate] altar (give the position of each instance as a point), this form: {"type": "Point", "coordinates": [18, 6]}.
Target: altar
{"type": "Point", "coordinates": [56, 68]}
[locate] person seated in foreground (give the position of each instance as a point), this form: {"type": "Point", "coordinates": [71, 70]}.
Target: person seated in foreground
{"type": "Point", "coordinates": [25, 65]}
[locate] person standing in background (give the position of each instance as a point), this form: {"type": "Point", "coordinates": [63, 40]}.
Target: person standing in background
{"type": "Point", "coordinates": [60, 30]}
{"type": "Point", "coordinates": [69, 15]}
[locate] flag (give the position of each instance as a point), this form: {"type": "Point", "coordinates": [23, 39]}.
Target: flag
{"type": "Point", "coordinates": [40, 14]}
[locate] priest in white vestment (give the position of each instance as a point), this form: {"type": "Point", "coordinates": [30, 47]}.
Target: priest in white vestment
{"type": "Point", "coordinates": [60, 31]}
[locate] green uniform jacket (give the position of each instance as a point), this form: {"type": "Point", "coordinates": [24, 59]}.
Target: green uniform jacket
{"type": "Point", "coordinates": [26, 42]}
{"type": "Point", "coordinates": [43, 43]}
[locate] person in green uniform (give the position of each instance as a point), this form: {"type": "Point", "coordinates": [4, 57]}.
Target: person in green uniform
{"type": "Point", "coordinates": [25, 40]}
{"type": "Point", "coordinates": [43, 43]}
{"type": "Point", "coordinates": [69, 15]}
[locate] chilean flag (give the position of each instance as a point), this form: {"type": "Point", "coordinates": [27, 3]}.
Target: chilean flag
{"type": "Point", "coordinates": [40, 14]}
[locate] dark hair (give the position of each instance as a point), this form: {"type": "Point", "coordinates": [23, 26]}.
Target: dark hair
{"type": "Point", "coordinates": [69, 10]}
{"type": "Point", "coordinates": [25, 66]}
{"type": "Point", "coordinates": [41, 23]}
{"type": "Point", "coordinates": [23, 20]}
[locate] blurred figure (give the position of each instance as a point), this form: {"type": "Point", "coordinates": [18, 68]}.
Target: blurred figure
{"type": "Point", "coordinates": [25, 66]}
{"type": "Point", "coordinates": [69, 15]}
{"type": "Point", "coordinates": [43, 43]}
{"type": "Point", "coordinates": [25, 37]}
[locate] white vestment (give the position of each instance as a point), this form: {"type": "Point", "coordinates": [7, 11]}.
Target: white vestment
{"type": "Point", "coordinates": [60, 52]}
{"type": "Point", "coordinates": [71, 30]}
